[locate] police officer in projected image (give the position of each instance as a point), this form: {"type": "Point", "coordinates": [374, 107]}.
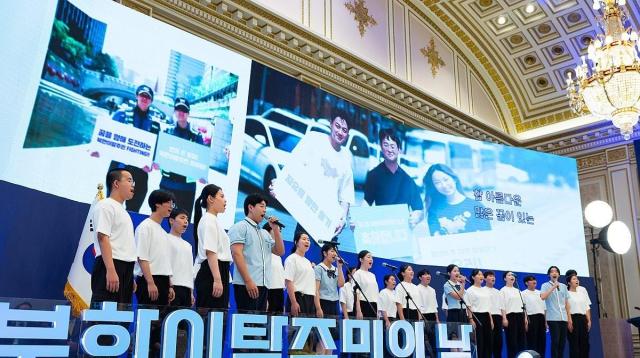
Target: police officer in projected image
{"type": "Point", "coordinates": [213, 258]}
{"type": "Point", "coordinates": [449, 211]}
{"type": "Point", "coordinates": [389, 184]}
{"type": "Point", "coordinates": [479, 300]}
{"type": "Point", "coordinates": [182, 187]}
{"type": "Point", "coordinates": [114, 243]}
{"type": "Point", "coordinates": [514, 319]}
{"type": "Point", "coordinates": [368, 284]}
{"type": "Point", "coordinates": [181, 260]}
{"type": "Point", "coordinates": [329, 279]}
{"type": "Point", "coordinates": [496, 309]}
{"type": "Point", "coordinates": [327, 163]}
{"type": "Point", "coordinates": [556, 298]}
{"type": "Point", "coordinates": [536, 330]}
{"type": "Point", "coordinates": [141, 118]}
{"type": "Point", "coordinates": [406, 289]}
{"type": "Point", "coordinates": [251, 248]}
{"type": "Point", "coordinates": [580, 316]}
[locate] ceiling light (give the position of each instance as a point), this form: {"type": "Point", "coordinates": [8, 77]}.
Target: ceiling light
{"type": "Point", "coordinates": [502, 20]}
{"type": "Point", "coordinates": [530, 9]}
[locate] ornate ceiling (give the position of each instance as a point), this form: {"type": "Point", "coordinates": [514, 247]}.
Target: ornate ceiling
{"type": "Point", "coordinates": [529, 54]}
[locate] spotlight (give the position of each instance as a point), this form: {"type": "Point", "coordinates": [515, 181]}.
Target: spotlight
{"type": "Point", "coordinates": [502, 20]}
{"type": "Point", "coordinates": [530, 9]}
{"type": "Point", "coordinates": [615, 238]}
{"type": "Point", "coordinates": [528, 354]}
{"type": "Point", "coordinates": [598, 213]}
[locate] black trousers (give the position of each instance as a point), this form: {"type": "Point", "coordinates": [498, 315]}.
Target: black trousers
{"type": "Point", "coordinates": [275, 299]}
{"type": "Point", "coordinates": [142, 293]}
{"type": "Point", "coordinates": [306, 302]}
{"type": "Point", "coordinates": [204, 287]}
{"type": "Point", "coordinates": [369, 311]}
{"type": "Point", "coordinates": [141, 178]}
{"type": "Point", "coordinates": [183, 297]}
{"type": "Point", "coordinates": [537, 334]}
{"type": "Point", "coordinates": [483, 334]}
{"type": "Point", "coordinates": [99, 291]}
{"type": "Point", "coordinates": [330, 310]}
{"type": "Point", "coordinates": [430, 334]}
{"type": "Point", "coordinates": [579, 338]}
{"type": "Point", "coordinates": [515, 332]}
{"type": "Point", "coordinates": [245, 303]}
{"type": "Point", "coordinates": [496, 336]}
{"type": "Point", "coordinates": [410, 314]}
{"type": "Point", "coordinates": [558, 333]}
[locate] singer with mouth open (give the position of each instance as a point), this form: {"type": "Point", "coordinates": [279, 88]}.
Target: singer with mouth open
{"type": "Point", "coordinates": [213, 250]}
{"type": "Point", "coordinates": [251, 248]}
{"type": "Point", "coordinates": [556, 297]}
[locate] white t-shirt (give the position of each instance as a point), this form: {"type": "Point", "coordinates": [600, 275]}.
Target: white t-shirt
{"type": "Point", "coordinates": [511, 299]}
{"type": "Point", "coordinates": [325, 165]}
{"type": "Point", "coordinates": [579, 302]}
{"type": "Point", "coordinates": [427, 299]}
{"type": "Point", "coordinates": [402, 294]}
{"type": "Point", "coordinates": [277, 273]}
{"type": "Point", "coordinates": [478, 299]}
{"type": "Point", "coordinates": [211, 236]}
{"type": "Point", "coordinates": [181, 262]}
{"type": "Point", "coordinates": [346, 296]}
{"type": "Point", "coordinates": [152, 245]}
{"type": "Point", "coordinates": [111, 219]}
{"type": "Point", "coordinates": [368, 284]}
{"type": "Point", "coordinates": [533, 301]}
{"type": "Point", "coordinates": [298, 270]}
{"type": "Point", "coordinates": [496, 301]}
{"type": "Point", "coordinates": [387, 300]}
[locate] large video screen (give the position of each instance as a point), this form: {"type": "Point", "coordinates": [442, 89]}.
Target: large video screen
{"type": "Point", "coordinates": [102, 86]}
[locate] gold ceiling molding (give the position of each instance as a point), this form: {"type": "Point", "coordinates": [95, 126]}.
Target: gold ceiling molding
{"type": "Point", "coordinates": [592, 161]}
{"type": "Point", "coordinates": [434, 27]}
{"type": "Point", "coordinates": [361, 15]}
{"type": "Point", "coordinates": [433, 57]}
{"type": "Point", "coordinates": [255, 31]}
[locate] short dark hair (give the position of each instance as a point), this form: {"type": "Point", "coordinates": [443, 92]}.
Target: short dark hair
{"type": "Point", "coordinates": [296, 238]}
{"type": "Point", "coordinates": [571, 272]}
{"type": "Point", "coordinates": [423, 272]}
{"type": "Point", "coordinates": [504, 274]}
{"type": "Point", "coordinates": [177, 211]}
{"type": "Point", "coordinates": [569, 277]}
{"type": "Point", "coordinates": [391, 134]}
{"type": "Point", "coordinates": [529, 278]}
{"type": "Point", "coordinates": [361, 255]}
{"type": "Point", "coordinates": [114, 174]}
{"type": "Point", "coordinates": [335, 113]}
{"type": "Point", "coordinates": [489, 273]}
{"type": "Point", "coordinates": [387, 277]}
{"type": "Point", "coordinates": [474, 272]}
{"type": "Point", "coordinates": [551, 268]}
{"type": "Point", "coordinates": [326, 248]}
{"type": "Point", "coordinates": [402, 270]}
{"type": "Point", "coordinates": [159, 197]}
{"type": "Point", "coordinates": [253, 200]}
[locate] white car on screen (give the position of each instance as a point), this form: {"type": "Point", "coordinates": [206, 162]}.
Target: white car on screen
{"type": "Point", "coordinates": [285, 118]}
{"type": "Point", "coordinates": [358, 145]}
{"type": "Point", "coordinates": [267, 146]}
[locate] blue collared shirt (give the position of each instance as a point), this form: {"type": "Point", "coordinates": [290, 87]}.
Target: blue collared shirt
{"type": "Point", "coordinates": [257, 251]}
{"type": "Point", "coordinates": [556, 302]}
{"type": "Point", "coordinates": [452, 303]}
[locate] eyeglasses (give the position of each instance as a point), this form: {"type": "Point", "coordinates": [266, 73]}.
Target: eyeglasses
{"type": "Point", "coordinates": [130, 180]}
{"type": "Point", "coordinates": [331, 274]}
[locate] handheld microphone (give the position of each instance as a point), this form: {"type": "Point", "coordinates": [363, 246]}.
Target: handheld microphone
{"type": "Point", "coordinates": [277, 222]}
{"type": "Point", "coordinates": [389, 266]}
{"type": "Point", "coordinates": [328, 242]}
{"type": "Point", "coordinates": [636, 307]}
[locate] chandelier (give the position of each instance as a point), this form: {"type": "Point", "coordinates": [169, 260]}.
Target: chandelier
{"type": "Point", "coordinates": [607, 83]}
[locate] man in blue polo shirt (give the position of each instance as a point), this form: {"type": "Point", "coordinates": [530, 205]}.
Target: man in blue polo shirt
{"type": "Point", "coordinates": [251, 248]}
{"type": "Point", "coordinates": [556, 297]}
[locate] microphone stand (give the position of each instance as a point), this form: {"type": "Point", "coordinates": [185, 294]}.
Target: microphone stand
{"type": "Point", "coordinates": [409, 298]}
{"type": "Point", "coordinates": [524, 309]}
{"type": "Point", "coordinates": [463, 304]}
{"type": "Point", "coordinates": [356, 285]}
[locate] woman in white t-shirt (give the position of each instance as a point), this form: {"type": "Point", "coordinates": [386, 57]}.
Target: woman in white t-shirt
{"type": "Point", "coordinates": [300, 279]}
{"type": "Point", "coordinates": [368, 285]}
{"type": "Point", "coordinates": [479, 300]}
{"type": "Point", "coordinates": [405, 289]}
{"type": "Point", "coordinates": [347, 297]}
{"type": "Point", "coordinates": [389, 301]}
{"type": "Point", "coordinates": [214, 252]}
{"type": "Point", "coordinates": [580, 316]}
{"type": "Point", "coordinates": [513, 318]}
